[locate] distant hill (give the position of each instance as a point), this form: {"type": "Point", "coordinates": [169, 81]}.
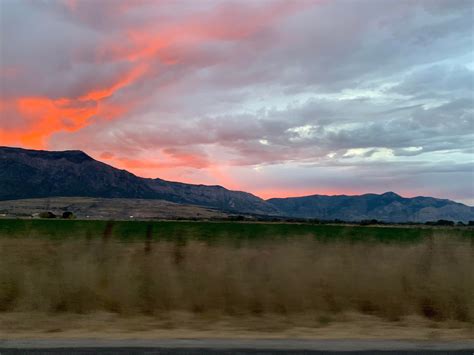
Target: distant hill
{"type": "Point", "coordinates": [388, 207]}
{"type": "Point", "coordinates": [27, 174]}
{"type": "Point", "coordinates": [107, 208]}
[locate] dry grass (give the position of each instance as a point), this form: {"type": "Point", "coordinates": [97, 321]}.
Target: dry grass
{"type": "Point", "coordinates": [433, 279]}
{"type": "Point", "coordinates": [107, 208]}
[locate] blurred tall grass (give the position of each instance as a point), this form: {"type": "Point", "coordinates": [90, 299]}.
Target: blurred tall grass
{"type": "Point", "coordinates": [432, 277]}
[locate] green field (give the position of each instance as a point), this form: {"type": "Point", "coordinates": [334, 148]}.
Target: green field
{"type": "Point", "coordinates": [212, 231]}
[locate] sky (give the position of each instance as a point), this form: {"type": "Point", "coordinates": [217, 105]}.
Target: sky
{"type": "Point", "coordinates": [277, 98]}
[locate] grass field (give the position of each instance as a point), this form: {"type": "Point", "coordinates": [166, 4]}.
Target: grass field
{"type": "Point", "coordinates": [236, 270]}
{"type": "Point", "coordinates": [211, 231]}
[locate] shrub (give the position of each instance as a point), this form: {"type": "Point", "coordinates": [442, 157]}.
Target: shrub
{"type": "Point", "coordinates": [47, 215]}
{"type": "Point", "coordinates": [68, 215]}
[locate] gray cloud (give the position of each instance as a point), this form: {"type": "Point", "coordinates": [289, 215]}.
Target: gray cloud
{"type": "Point", "coordinates": [302, 91]}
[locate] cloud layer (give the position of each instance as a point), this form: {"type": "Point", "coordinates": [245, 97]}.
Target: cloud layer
{"type": "Point", "coordinates": [274, 97]}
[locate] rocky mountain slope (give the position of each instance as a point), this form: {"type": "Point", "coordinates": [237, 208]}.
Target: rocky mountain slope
{"type": "Point", "coordinates": [28, 173]}
{"type": "Point", "coordinates": [388, 207]}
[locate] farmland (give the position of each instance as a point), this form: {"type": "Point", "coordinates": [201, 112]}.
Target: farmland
{"type": "Point", "coordinates": [134, 231]}
{"type": "Point", "coordinates": [278, 275]}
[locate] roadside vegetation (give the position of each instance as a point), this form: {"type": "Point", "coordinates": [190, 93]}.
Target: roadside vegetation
{"type": "Point", "coordinates": [236, 270]}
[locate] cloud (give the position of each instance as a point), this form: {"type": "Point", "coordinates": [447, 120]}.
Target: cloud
{"type": "Point", "coordinates": [438, 81]}
{"type": "Point", "coordinates": [200, 91]}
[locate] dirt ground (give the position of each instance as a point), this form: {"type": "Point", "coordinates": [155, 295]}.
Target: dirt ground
{"type": "Point", "coordinates": [187, 326]}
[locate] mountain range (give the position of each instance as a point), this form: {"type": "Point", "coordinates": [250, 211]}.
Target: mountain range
{"type": "Point", "coordinates": [27, 174]}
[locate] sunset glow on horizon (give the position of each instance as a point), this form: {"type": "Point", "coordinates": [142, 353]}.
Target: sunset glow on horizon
{"type": "Point", "coordinates": [275, 97]}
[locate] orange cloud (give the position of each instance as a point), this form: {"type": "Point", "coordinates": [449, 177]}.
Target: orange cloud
{"type": "Point", "coordinates": [168, 160]}
{"type": "Point", "coordinates": [43, 116]}
{"type": "Point", "coordinates": [295, 192]}
{"type": "Point", "coordinates": [167, 168]}
{"type": "Point", "coordinates": [128, 79]}
{"type": "Point", "coordinates": [148, 42]}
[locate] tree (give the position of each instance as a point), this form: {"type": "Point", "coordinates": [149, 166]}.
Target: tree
{"type": "Point", "coordinates": [368, 222]}
{"type": "Point", "coordinates": [68, 215]}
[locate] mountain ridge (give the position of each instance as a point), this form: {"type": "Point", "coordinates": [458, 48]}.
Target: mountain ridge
{"type": "Point", "coordinates": [369, 194]}
{"type": "Point", "coordinates": [28, 173]}
{"type": "Point", "coordinates": [388, 206]}
{"type": "Point", "coordinates": [73, 173]}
